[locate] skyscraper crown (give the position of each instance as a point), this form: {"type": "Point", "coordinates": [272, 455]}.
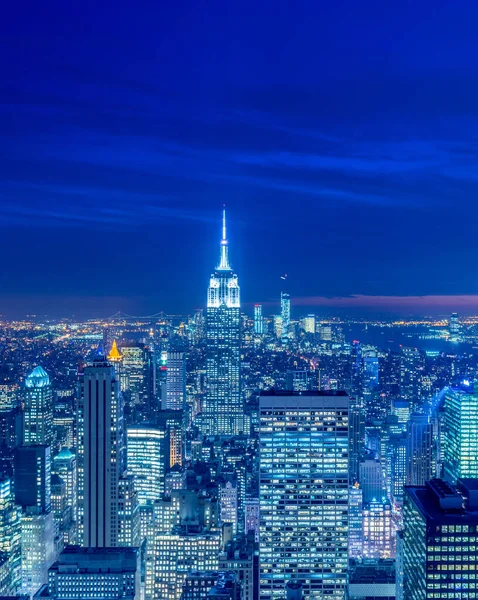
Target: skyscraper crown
{"type": "Point", "coordinates": [38, 378]}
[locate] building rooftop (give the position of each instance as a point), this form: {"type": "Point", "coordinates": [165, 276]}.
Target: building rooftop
{"type": "Point", "coordinates": [438, 501]}
{"type": "Point", "coordinates": [321, 393]}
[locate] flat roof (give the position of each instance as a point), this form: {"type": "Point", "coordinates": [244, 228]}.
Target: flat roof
{"type": "Point", "coordinates": [320, 393]}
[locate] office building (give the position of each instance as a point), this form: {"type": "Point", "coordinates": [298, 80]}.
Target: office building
{"type": "Point", "coordinates": [421, 462]}
{"type": "Point", "coordinates": [37, 547]}
{"type": "Point", "coordinates": [176, 381]}
{"type": "Point", "coordinates": [439, 540]}
{"type": "Point", "coordinates": [137, 379]}
{"type": "Point", "coordinates": [240, 555]}
{"type": "Point", "coordinates": [251, 517]}
{"type": "Point", "coordinates": [10, 536]}
{"type": "Point", "coordinates": [285, 316]}
{"type": "Point", "coordinates": [223, 411]}
{"type": "Point", "coordinates": [101, 453]}
{"type": "Point", "coordinates": [103, 573]}
{"type": "Point", "coordinates": [177, 553]}
{"type": "Point", "coordinates": [371, 580]}
{"type": "Point", "coordinates": [38, 414]}
{"type": "Point", "coordinates": [211, 585]}
{"type": "Point", "coordinates": [258, 320]}
{"type": "Point", "coordinates": [378, 531]}
{"type": "Point", "coordinates": [64, 465]}
{"type": "Point", "coordinates": [461, 432]}
{"type": "Point", "coordinates": [228, 503]}
{"type": "Point", "coordinates": [301, 380]}
{"type": "Point", "coordinates": [33, 477]}
{"type": "Point", "coordinates": [454, 327]}
{"type": "Point", "coordinates": [172, 421]}
{"type": "Point", "coordinates": [303, 492]}
{"type": "Point", "coordinates": [308, 324]}
{"type": "Point", "coordinates": [371, 479]}
{"type": "Point", "coordinates": [356, 436]}
{"type": "Point", "coordinates": [410, 375]}
{"type": "Point", "coordinates": [356, 545]}
{"type": "Point", "coordinates": [148, 452]}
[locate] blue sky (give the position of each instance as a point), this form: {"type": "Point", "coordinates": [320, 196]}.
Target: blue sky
{"type": "Point", "coordinates": [342, 137]}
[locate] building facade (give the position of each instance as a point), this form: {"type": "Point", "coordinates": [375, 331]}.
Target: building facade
{"type": "Point", "coordinates": [101, 454]}
{"type": "Point", "coordinates": [303, 493]}
{"type": "Point", "coordinates": [223, 411]}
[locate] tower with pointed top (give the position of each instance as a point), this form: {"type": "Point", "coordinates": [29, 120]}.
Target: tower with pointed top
{"type": "Point", "coordinates": [223, 412]}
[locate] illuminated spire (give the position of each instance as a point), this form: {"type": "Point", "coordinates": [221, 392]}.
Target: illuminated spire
{"type": "Point", "coordinates": [224, 262]}
{"type": "Point", "coordinates": [114, 354]}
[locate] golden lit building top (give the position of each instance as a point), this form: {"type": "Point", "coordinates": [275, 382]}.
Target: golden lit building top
{"type": "Point", "coordinates": [114, 354]}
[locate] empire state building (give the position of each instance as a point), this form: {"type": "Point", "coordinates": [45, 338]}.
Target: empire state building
{"type": "Point", "coordinates": [223, 411]}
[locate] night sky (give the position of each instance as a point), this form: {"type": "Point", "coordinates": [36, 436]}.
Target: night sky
{"type": "Point", "coordinates": [342, 137]}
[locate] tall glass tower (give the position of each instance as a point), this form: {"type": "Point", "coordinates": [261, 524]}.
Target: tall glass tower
{"type": "Point", "coordinates": [38, 417]}
{"type": "Point", "coordinates": [223, 412]}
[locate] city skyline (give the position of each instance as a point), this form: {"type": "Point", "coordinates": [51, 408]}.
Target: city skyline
{"type": "Point", "coordinates": [346, 156]}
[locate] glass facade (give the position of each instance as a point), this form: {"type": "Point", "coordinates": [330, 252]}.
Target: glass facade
{"type": "Point", "coordinates": [147, 451]}
{"type": "Point", "coordinates": [461, 433]}
{"type": "Point", "coordinates": [38, 415]}
{"type": "Point", "coordinates": [303, 493]}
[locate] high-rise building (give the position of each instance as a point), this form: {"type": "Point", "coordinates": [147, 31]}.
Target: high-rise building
{"type": "Point", "coordinates": [176, 381]}
{"type": "Point", "coordinates": [148, 453]}
{"type": "Point", "coordinates": [421, 463]}
{"type": "Point", "coordinates": [285, 314]}
{"type": "Point", "coordinates": [33, 477]}
{"type": "Point", "coordinates": [371, 479]}
{"type": "Point", "coordinates": [64, 465]}
{"type": "Point", "coordinates": [461, 432]}
{"type": "Point", "coordinates": [439, 541]}
{"type": "Point", "coordinates": [378, 531]}
{"type": "Point", "coordinates": [410, 375]}
{"type": "Point", "coordinates": [38, 548]}
{"type": "Point", "coordinates": [356, 545]}
{"type": "Point", "coordinates": [223, 411]}
{"type": "Point", "coordinates": [38, 415]}
{"type": "Point", "coordinates": [303, 492]}
{"type": "Point", "coordinates": [177, 553]}
{"type": "Point", "coordinates": [308, 324]}
{"type": "Point", "coordinates": [356, 437]}
{"type": "Point", "coordinates": [106, 573]}
{"type": "Point", "coordinates": [10, 535]}
{"type": "Point", "coordinates": [137, 378]}
{"type": "Point", "coordinates": [301, 380]}
{"type": "Point", "coordinates": [101, 453]}
{"type": "Point", "coordinates": [228, 503]}
{"type": "Point", "coordinates": [258, 320]}
{"type": "Point", "coordinates": [454, 327]}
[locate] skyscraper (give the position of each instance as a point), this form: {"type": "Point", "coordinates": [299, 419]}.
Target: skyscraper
{"type": "Point", "coordinates": [148, 456]}
{"type": "Point", "coordinates": [439, 541]}
{"type": "Point", "coordinates": [223, 406]}
{"type": "Point", "coordinates": [421, 464]}
{"type": "Point", "coordinates": [101, 453]}
{"type": "Point", "coordinates": [38, 417]}
{"type": "Point", "coordinates": [461, 432]}
{"type": "Point", "coordinates": [258, 320]}
{"type": "Point", "coordinates": [454, 327]}
{"type": "Point", "coordinates": [10, 535]}
{"type": "Point", "coordinates": [285, 314]}
{"type": "Point", "coordinates": [410, 373]}
{"type": "Point", "coordinates": [303, 492]}
{"type": "Point", "coordinates": [176, 381]}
